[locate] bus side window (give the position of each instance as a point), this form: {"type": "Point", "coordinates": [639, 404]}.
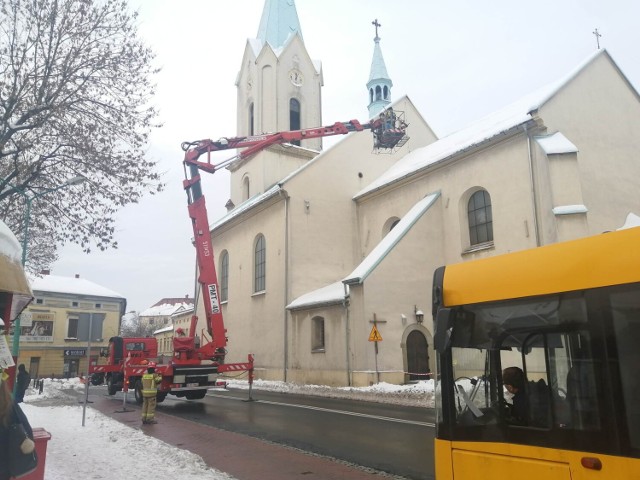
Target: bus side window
{"type": "Point", "coordinates": [582, 392]}
{"type": "Point", "coordinates": [626, 323]}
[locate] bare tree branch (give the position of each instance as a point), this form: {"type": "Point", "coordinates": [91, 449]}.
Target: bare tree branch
{"type": "Point", "coordinates": [75, 98]}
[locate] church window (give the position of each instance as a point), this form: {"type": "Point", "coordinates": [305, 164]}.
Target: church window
{"type": "Point", "coordinates": [389, 225]}
{"type": "Point", "coordinates": [294, 117]}
{"type": "Point", "coordinates": [260, 264]}
{"type": "Point", "coordinates": [386, 92]}
{"type": "Point", "coordinates": [480, 218]}
{"type": "Point", "coordinates": [317, 334]}
{"type": "Point", "coordinates": [251, 116]}
{"type": "Point", "coordinates": [371, 95]}
{"type": "Point", "coordinates": [245, 188]}
{"type": "Point", "coordinates": [224, 276]}
{"type": "Point", "coordinates": [378, 93]}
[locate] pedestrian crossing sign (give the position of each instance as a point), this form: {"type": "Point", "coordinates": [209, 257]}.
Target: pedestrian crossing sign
{"type": "Point", "coordinates": [375, 336]}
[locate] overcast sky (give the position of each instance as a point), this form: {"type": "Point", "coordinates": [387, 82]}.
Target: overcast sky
{"type": "Point", "coordinates": [456, 60]}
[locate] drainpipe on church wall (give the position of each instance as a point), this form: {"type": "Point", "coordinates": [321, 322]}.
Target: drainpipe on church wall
{"type": "Point", "coordinates": [285, 359]}
{"type": "Point", "coordinates": [345, 304]}
{"type": "Point", "coordinates": [534, 199]}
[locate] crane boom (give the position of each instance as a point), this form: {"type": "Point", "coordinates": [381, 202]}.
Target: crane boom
{"type": "Point", "coordinates": [389, 131]}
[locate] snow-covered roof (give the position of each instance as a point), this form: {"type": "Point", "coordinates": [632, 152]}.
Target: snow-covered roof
{"type": "Point", "coordinates": [328, 295]}
{"type": "Point", "coordinates": [392, 238]}
{"type": "Point", "coordinates": [247, 205]}
{"type": "Point", "coordinates": [168, 328]}
{"type": "Point", "coordinates": [485, 129]}
{"type": "Point", "coordinates": [165, 309]}
{"type": "Point", "coordinates": [9, 245]}
{"type": "Point", "coordinates": [72, 285]}
{"type": "Point", "coordinates": [555, 144]}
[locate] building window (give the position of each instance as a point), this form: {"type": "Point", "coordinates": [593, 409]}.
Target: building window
{"type": "Point", "coordinates": [378, 93]}
{"type": "Point", "coordinates": [98, 305]}
{"type": "Point", "coordinates": [480, 218]}
{"type": "Point", "coordinates": [317, 334]}
{"type": "Point", "coordinates": [224, 276]}
{"type": "Point", "coordinates": [39, 301]}
{"type": "Point", "coordinates": [251, 119]}
{"type": "Point", "coordinates": [371, 95]}
{"type": "Point", "coordinates": [245, 188]}
{"type": "Point", "coordinates": [74, 304]}
{"type": "Point", "coordinates": [386, 92]}
{"type": "Point", "coordinates": [72, 327]}
{"type": "Point", "coordinates": [294, 117]}
{"type": "Point", "coordinates": [260, 262]}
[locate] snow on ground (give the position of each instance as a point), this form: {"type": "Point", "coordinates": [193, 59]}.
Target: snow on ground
{"type": "Point", "coordinates": [96, 450]}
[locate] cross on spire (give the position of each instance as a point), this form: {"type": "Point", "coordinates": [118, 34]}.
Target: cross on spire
{"type": "Point", "coordinates": [598, 35]}
{"type": "Point", "coordinates": [376, 24]}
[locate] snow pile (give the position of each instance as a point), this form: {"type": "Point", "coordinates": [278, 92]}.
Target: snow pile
{"type": "Point", "coordinates": [419, 394]}
{"type": "Point", "coordinates": [93, 451]}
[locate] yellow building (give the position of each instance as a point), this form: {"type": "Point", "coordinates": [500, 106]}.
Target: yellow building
{"type": "Point", "coordinates": [68, 317]}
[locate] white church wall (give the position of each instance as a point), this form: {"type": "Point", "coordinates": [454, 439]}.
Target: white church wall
{"type": "Point", "coordinates": [255, 321]}
{"type": "Point", "coordinates": [599, 113]}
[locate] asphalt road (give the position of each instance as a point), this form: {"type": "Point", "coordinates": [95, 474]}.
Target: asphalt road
{"type": "Point", "coordinates": [395, 439]}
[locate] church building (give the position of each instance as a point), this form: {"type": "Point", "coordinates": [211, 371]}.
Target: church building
{"type": "Point", "coordinates": [325, 258]}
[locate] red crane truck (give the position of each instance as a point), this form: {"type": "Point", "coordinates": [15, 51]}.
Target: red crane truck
{"type": "Point", "coordinates": [193, 370]}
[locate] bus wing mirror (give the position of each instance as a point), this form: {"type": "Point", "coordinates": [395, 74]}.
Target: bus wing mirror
{"type": "Point", "coordinates": [443, 326]}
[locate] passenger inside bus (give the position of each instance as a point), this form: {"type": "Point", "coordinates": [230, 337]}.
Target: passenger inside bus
{"type": "Point", "coordinates": [513, 380]}
{"type": "Point", "coordinates": [530, 400]}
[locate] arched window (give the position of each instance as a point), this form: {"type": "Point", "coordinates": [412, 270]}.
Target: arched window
{"type": "Point", "coordinates": [317, 334]}
{"type": "Point", "coordinates": [294, 117]}
{"type": "Point", "coordinates": [480, 218]}
{"type": "Point", "coordinates": [224, 276]}
{"type": "Point", "coordinates": [259, 264]}
{"type": "Point", "coordinates": [386, 92]}
{"type": "Point", "coordinates": [245, 188]}
{"type": "Point", "coordinates": [371, 95]}
{"type": "Point", "coordinates": [389, 225]}
{"type": "Point", "coordinates": [251, 116]}
{"type": "Point", "coordinates": [378, 93]}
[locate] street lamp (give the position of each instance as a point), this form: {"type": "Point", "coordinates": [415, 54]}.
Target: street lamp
{"type": "Point", "coordinates": [25, 240]}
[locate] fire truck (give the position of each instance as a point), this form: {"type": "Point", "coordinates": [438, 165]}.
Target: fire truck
{"type": "Point", "coordinates": [193, 369]}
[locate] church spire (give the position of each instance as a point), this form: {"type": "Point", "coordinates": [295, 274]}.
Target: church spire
{"type": "Point", "coordinates": [279, 21]}
{"type": "Point", "coordinates": [379, 84]}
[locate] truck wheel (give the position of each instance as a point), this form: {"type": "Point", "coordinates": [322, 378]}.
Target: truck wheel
{"type": "Point", "coordinates": [97, 379]}
{"type": "Point", "coordinates": [111, 387]}
{"type": "Point", "coordinates": [161, 396]}
{"type": "Point", "coordinates": [138, 392]}
{"type": "Point", "coordinates": [196, 395]}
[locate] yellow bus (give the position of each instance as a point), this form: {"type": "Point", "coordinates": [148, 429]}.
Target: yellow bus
{"type": "Point", "coordinates": [565, 320]}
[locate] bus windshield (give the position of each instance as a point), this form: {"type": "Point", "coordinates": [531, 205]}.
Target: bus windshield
{"type": "Point", "coordinates": [547, 364]}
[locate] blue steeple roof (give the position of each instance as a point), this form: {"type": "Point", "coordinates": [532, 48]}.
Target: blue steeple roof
{"type": "Point", "coordinates": [379, 84]}
{"type": "Point", "coordinates": [279, 20]}
{"type": "Point", "coordinates": [378, 67]}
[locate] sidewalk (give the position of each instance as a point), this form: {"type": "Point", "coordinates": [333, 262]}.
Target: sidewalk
{"type": "Point", "coordinates": [243, 457]}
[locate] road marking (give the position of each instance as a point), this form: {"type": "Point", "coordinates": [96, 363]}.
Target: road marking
{"type": "Point", "coordinates": [330, 410]}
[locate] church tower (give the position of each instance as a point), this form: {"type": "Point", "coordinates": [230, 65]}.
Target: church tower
{"type": "Point", "coordinates": [379, 84]}
{"type": "Point", "coordinates": [278, 89]}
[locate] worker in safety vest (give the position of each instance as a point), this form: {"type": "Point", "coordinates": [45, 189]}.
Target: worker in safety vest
{"type": "Point", "coordinates": [150, 381]}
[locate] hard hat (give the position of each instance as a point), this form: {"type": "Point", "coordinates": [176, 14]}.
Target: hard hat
{"type": "Point", "coordinates": [152, 365]}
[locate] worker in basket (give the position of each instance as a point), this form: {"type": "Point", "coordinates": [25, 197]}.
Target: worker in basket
{"type": "Point", "coordinates": [150, 382]}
